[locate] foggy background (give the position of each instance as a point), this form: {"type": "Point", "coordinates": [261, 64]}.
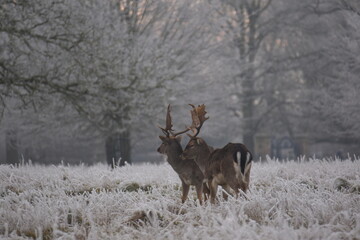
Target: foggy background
{"type": "Point", "coordinates": [90, 80]}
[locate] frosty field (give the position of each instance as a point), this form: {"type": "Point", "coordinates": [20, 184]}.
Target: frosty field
{"type": "Point", "coordinates": [303, 199]}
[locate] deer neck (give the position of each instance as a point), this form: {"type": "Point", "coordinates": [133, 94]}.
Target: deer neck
{"type": "Point", "coordinates": [173, 155]}
{"type": "Point", "coordinates": [202, 157]}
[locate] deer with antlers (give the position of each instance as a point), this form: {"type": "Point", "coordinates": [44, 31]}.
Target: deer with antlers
{"type": "Point", "coordinates": [228, 167]}
{"type": "Point", "coordinates": [189, 172]}
{"type": "Point", "coordinates": [197, 149]}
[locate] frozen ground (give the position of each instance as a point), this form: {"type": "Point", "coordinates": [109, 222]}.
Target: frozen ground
{"type": "Point", "coordinates": [305, 199]}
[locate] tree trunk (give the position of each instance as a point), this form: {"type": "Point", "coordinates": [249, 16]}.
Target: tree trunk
{"type": "Point", "coordinates": [248, 115]}
{"type": "Point", "coordinates": [12, 156]}
{"type": "Point", "coordinates": [118, 149]}
{"type": "Point", "coordinates": [247, 49]}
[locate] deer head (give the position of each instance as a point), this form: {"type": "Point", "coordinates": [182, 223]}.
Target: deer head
{"type": "Point", "coordinates": [196, 144]}
{"type": "Point", "coordinates": [170, 137]}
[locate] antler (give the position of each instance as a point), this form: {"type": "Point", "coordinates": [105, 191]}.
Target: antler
{"type": "Point", "coordinates": [181, 132]}
{"type": "Point", "coordinates": [168, 129]}
{"type": "Point", "coordinates": [198, 119]}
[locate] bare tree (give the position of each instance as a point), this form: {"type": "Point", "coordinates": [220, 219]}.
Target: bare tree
{"type": "Point", "coordinates": [332, 77]}
{"type": "Point", "coordinates": [98, 64]}
{"type": "Point", "coordinates": [255, 29]}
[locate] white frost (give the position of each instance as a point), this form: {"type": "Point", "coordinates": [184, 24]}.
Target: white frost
{"type": "Point", "coordinates": [292, 200]}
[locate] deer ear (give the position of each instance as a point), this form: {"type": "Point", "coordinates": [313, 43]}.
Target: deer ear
{"type": "Point", "coordinates": [178, 138]}
{"type": "Point", "coordinates": [162, 138]}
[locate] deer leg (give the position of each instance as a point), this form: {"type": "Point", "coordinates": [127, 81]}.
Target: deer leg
{"type": "Point", "coordinates": [206, 191]}
{"type": "Point", "coordinates": [185, 191]}
{"type": "Point", "coordinates": [236, 192]}
{"type": "Point", "coordinates": [243, 186]}
{"type": "Point", "coordinates": [227, 191]}
{"type": "Point", "coordinates": [213, 189]}
{"type": "Point", "coordinates": [199, 191]}
{"type": "Point", "coordinates": [247, 180]}
{"type": "Point", "coordinates": [232, 183]}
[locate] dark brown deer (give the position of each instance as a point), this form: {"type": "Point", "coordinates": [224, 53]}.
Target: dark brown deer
{"type": "Point", "coordinates": [188, 171]}
{"type": "Point", "coordinates": [228, 167]}
{"type": "Point", "coordinates": [197, 149]}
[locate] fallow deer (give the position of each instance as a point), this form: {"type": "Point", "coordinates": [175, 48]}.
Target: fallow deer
{"type": "Point", "coordinates": [197, 148]}
{"type": "Point", "coordinates": [189, 172]}
{"type": "Point", "coordinates": [228, 167]}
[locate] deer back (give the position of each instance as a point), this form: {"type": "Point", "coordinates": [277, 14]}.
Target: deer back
{"type": "Point", "coordinates": [198, 150]}
{"type": "Point", "coordinates": [229, 161]}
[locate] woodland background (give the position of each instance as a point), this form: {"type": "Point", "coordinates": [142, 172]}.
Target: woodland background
{"type": "Point", "coordinates": [78, 77]}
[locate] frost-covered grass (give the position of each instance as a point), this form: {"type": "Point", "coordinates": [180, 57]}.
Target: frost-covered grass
{"type": "Point", "coordinates": [312, 199]}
